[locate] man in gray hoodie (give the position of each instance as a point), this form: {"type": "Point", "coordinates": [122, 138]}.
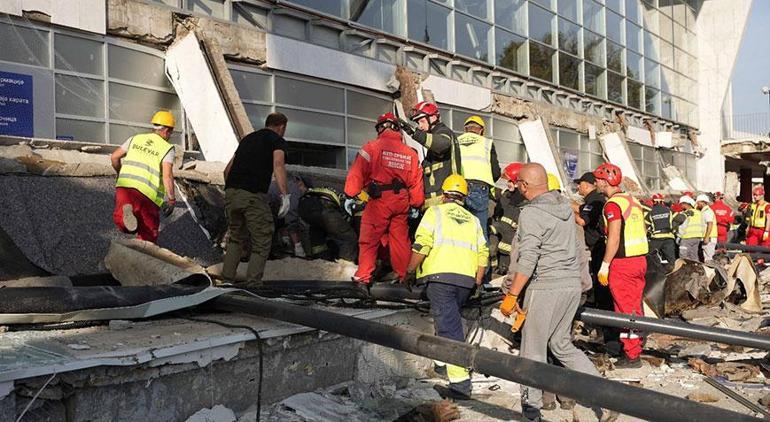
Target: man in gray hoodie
{"type": "Point", "coordinates": [548, 261]}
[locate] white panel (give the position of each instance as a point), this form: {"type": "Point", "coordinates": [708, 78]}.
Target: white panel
{"type": "Point", "coordinates": [664, 139]}
{"type": "Point", "coordinates": [194, 83]}
{"type": "Point", "coordinates": [639, 135]}
{"type": "Point", "coordinates": [617, 154]}
{"type": "Point", "coordinates": [11, 7]}
{"type": "Point", "coordinates": [538, 148]}
{"type": "Point", "coordinates": [459, 94]}
{"type": "Point", "coordinates": [325, 63]}
{"type": "Point", "coordinates": [87, 15]}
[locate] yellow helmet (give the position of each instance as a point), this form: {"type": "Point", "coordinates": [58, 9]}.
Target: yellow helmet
{"type": "Point", "coordinates": [164, 118]}
{"type": "Point", "coordinates": [477, 120]}
{"type": "Point", "coordinates": [553, 182]}
{"type": "Point", "coordinates": [456, 184]}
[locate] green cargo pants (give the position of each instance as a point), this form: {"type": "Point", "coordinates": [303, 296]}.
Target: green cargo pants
{"type": "Point", "coordinates": [252, 210]}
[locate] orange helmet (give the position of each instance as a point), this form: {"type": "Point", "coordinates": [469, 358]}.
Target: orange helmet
{"type": "Point", "coordinates": [424, 109]}
{"type": "Point", "coordinates": [609, 172]}
{"type": "Point", "coordinates": [512, 171]}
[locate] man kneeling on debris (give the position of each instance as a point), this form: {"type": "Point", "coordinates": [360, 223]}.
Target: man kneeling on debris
{"type": "Point", "coordinates": [548, 261]}
{"type": "Point", "coordinates": [450, 254]}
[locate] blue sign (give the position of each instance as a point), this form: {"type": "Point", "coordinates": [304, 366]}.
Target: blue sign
{"type": "Point", "coordinates": [571, 164]}
{"type": "Point", "coordinates": [16, 116]}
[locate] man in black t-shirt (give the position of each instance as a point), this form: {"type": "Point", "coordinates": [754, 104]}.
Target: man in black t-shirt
{"type": "Point", "coordinates": [259, 156]}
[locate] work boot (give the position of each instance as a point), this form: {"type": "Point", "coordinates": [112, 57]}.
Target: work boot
{"type": "Point", "coordinates": [626, 363]}
{"type": "Point", "coordinates": [530, 414]}
{"type": "Point", "coordinates": [362, 285]}
{"type": "Point", "coordinates": [129, 219]}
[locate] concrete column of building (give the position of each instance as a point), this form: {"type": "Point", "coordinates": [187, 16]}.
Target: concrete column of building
{"type": "Point", "coordinates": [745, 178]}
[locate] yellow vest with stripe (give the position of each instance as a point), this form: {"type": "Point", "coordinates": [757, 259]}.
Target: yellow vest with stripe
{"type": "Point", "coordinates": [141, 168]}
{"type": "Point", "coordinates": [327, 193]}
{"type": "Point", "coordinates": [454, 244]}
{"type": "Point", "coordinates": [693, 227]}
{"type": "Point", "coordinates": [713, 234]}
{"type": "Point", "coordinates": [633, 233]}
{"type": "Point", "coordinates": [476, 156]}
{"type": "Point", "coordinates": [758, 217]}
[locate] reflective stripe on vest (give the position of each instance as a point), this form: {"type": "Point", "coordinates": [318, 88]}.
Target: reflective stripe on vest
{"type": "Point", "coordinates": [633, 233]}
{"type": "Point", "coordinates": [505, 247]}
{"type": "Point", "coordinates": [455, 249]}
{"type": "Point", "coordinates": [659, 219]}
{"type": "Point", "coordinates": [714, 233]}
{"type": "Point", "coordinates": [758, 217]}
{"type": "Point", "coordinates": [476, 156]}
{"type": "Point", "coordinates": [141, 167]}
{"type": "Point", "coordinates": [693, 227]}
{"type": "Point", "coordinates": [509, 221]}
{"type": "Point", "coordinates": [326, 193]}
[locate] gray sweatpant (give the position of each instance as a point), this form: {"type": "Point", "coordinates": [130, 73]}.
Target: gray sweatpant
{"type": "Point", "coordinates": [548, 326]}
{"type": "Point", "coordinates": [688, 249]}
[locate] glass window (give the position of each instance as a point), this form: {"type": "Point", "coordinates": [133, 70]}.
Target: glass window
{"type": "Point", "coordinates": [635, 94]}
{"type": "Point", "coordinates": [459, 116]}
{"type": "Point", "coordinates": [471, 37]}
{"type": "Point", "coordinates": [428, 23]}
{"type": "Point", "coordinates": [510, 152]}
{"type": "Point", "coordinates": [133, 104]}
{"type": "Point", "coordinates": [651, 19]}
{"type": "Point", "coordinates": [569, 37]}
{"type": "Point", "coordinates": [615, 6]}
{"type": "Point", "coordinates": [667, 54]}
{"type": "Point", "coordinates": [541, 61]}
{"type": "Point", "coordinates": [594, 80]}
{"type": "Point", "coordinates": [308, 154]}
{"type": "Point", "coordinates": [541, 25]}
{"type": "Point", "coordinates": [381, 14]}
{"type": "Point", "coordinates": [23, 45]}
{"type": "Point", "coordinates": [314, 126]}
{"type": "Point", "coordinates": [257, 114]}
{"type": "Point", "coordinates": [80, 130]}
{"type": "Point", "coordinates": [511, 51]}
{"type": "Point", "coordinates": [308, 94]}
{"type": "Point", "coordinates": [290, 26]}
{"type": "Point", "coordinates": [120, 133]}
{"type": "Point", "coordinates": [506, 130]}
{"type": "Point", "coordinates": [512, 14]}
{"type": "Point", "coordinates": [651, 46]}
{"type": "Point", "coordinates": [633, 37]}
{"type": "Point", "coordinates": [614, 57]}
{"type": "Point", "coordinates": [593, 48]}
{"type": "Point", "coordinates": [632, 10]}
{"type": "Point", "coordinates": [474, 7]}
{"type": "Point", "coordinates": [634, 65]}
{"type": "Point", "coordinates": [367, 106]}
{"type": "Point", "coordinates": [569, 9]}
{"type": "Point", "coordinates": [78, 54]}
{"type": "Point", "coordinates": [79, 96]}
{"type": "Point", "coordinates": [247, 14]}
{"type": "Point", "coordinates": [666, 28]}
{"type": "Point", "coordinates": [651, 73]}
{"type": "Point", "coordinates": [569, 71]}
{"type": "Point", "coordinates": [330, 37]}
{"type": "Point", "coordinates": [137, 66]}
{"type": "Point", "coordinates": [252, 86]}
{"type": "Point", "coordinates": [680, 37]}
{"type": "Point", "coordinates": [614, 87]}
{"type": "Point", "coordinates": [332, 7]}
{"type": "Point", "coordinates": [679, 11]}
{"type": "Point", "coordinates": [666, 79]}
{"type": "Point", "coordinates": [666, 106]}
{"type": "Point", "coordinates": [215, 8]}
{"type": "Point", "coordinates": [593, 16]}
{"type": "Point", "coordinates": [360, 131]}
{"type": "Point", "coordinates": [614, 27]}
{"type": "Point", "coordinates": [545, 3]}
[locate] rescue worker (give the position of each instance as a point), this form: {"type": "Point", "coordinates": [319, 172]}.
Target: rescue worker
{"type": "Point", "coordinates": [145, 184]}
{"type": "Point", "coordinates": [479, 168]}
{"type": "Point", "coordinates": [547, 264]}
{"type": "Point", "coordinates": [660, 228]}
{"type": "Point", "coordinates": [725, 217]}
{"type": "Point", "coordinates": [624, 264]}
{"type": "Point", "coordinates": [322, 209]}
{"type": "Point", "coordinates": [449, 254]}
{"type": "Point", "coordinates": [390, 173]}
{"type": "Point", "coordinates": [506, 217]}
{"type": "Point", "coordinates": [759, 225]}
{"type": "Point", "coordinates": [709, 243]}
{"type": "Point", "coordinates": [589, 216]}
{"type": "Point", "coordinates": [443, 155]}
{"type": "Point", "coordinates": [689, 226]}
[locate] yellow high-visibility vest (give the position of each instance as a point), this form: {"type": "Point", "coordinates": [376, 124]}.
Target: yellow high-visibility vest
{"type": "Point", "coordinates": [693, 227]}
{"type": "Point", "coordinates": [758, 217]}
{"type": "Point", "coordinates": [141, 168]}
{"type": "Point", "coordinates": [713, 234]}
{"type": "Point", "coordinates": [476, 157]}
{"type": "Point", "coordinates": [633, 234]}
{"type": "Point", "coordinates": [454, 244]}
{"type": "Point", "coordinates": [327, 193]}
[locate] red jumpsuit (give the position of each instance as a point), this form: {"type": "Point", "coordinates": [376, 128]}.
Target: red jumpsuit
{"type": "Point", "coordinates": [757, 226]}
{"type": "Point", "coordinates": [384, 161]}
{"type": "Point", "coordinates": [725, 217]}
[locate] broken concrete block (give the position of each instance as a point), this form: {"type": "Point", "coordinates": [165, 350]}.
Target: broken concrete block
{"type": "Point", "coordinates": [702, 397]}
{"type": "Point", "coordinates": [120, 324]}
{"type": "Point", "coordinates": [78, 346]}
{"type": "Point", "coordinates": [695, 350]}
{"type": "Point", "coordinates": [735, 371]}
{"type": "Point", "coordinates": [765, 400]}
{"type": "Point", "coordinates": [141, 21]}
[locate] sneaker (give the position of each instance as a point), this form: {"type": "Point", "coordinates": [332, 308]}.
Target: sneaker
{"type": "Point", "coordinates": [626, 363]}
{"type": "Point", "coordinates": [129, 219]}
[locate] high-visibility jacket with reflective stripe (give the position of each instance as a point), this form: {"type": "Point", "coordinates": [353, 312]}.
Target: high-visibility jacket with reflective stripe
{"type": "Point", "coordinates": [454, 244]}
{"type": "Point", "coordinates": [141, 168]}
{"type": "Point", "coordinates": [328, 193]}
{"type": "Point", "coordinates": [633, 234]}
{"type": "Point", "coordinates": [758, 215]}
{"type": "Point", "coordinates": [476, 157]}
{"type": "Point", "coordinates": [713, 234]}
{"type": "Point", "coordinates": [693, 227]}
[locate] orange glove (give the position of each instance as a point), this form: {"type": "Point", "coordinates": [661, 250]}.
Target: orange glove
{"type": "Point", "coordinates": [604, 274]}
{"type": "Point", "coordinates": [509, 304]}
{"type": "Point", "coordinates": [765, 235]}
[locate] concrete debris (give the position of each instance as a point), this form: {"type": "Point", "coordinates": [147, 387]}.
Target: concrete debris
{"type": "Point", "coordinates": [217, 413]}
{"type": "Point", "coordinates": [734, 371]}
{"type": "Point", "coordinates": [703, 367]}
{"type": "Point", "coordinates": [295, 269]}
{"type": "Point", "coordinates": [702, 397]}
{"type": "Point", "coordinates": [765, 400]}
{"type": "Point", "coordinates": [120, 324]}
{"type": "Point", "coordinates": [695, 350]}
{"type": "Point", "coordinates": [78, 346]}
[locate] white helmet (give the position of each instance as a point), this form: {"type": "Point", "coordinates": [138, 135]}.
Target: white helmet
{"type": "Point", "coordinates": [703, 198]}
{"type": "Point", "coordinates": [687, 200]}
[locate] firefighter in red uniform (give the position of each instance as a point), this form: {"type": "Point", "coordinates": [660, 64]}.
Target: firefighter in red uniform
{"type": "Point", "coordinates": [390, 172]}
{"type": "Point", "coordinates": [759, 225]}
{"type": "Point", "coordinates": [725, 216]}
{"type": "Point", "coordinates": [625, 263]}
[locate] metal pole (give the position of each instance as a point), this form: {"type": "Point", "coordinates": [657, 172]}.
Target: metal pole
{"type": "Point", "coordinates": [744, 248]}
{"type": "Point", "coordinates": [586, 389]}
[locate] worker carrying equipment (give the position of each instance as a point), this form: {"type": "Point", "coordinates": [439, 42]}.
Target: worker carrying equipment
{"type": "Point", "coordinates": [443, 155]}
{"type": "Point", "coordinates": [145, 178]}
{"type": "Point", "coordinates": [391, 168]}
{"type": "Point", "coordinates": [759, 225]}
{"type": "Point", "coordinates": [660, 228]}
{"type": "Point", "coordinates": [624, 264]}
{"type": "Point", "coordinates": [449, 254]}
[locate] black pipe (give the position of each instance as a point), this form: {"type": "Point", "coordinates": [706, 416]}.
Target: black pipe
{"type": "Point", "coordinates": [676, 328]}
{"type": "Point", "coordinates": [586, 389]}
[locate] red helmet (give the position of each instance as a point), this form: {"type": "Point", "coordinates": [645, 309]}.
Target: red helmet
{"type": "Point", "coordinates": [609, 172]}
{"type": "Point", "coordinates": [758, 190]}
{"type": "Point", "coordinates": [657, 197]}
{"type": "Point", "coordinates": [512, 171]}
{"type": "Point", "coordinates": [688, 193]}
{"type": "Point", "coordinates": [718, 195]}
{"type": "Point", "coordinates": [424, 109]}
{"type": "Point", "coordinates": [386, 118]}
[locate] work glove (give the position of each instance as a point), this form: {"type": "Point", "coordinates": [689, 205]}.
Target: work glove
{"type": "Point", "coordinates": [406, 127]}
{"type": "Point", "coordinates": [299, 251]}
{"type": "Point", "coordinates": [168, 207]}
{"type": "Point", "coordinates": [604, 274]}
{"type": "Point", "coordinates": [510, 304]}
{"type": "Point", "coordinates": [349, 205]}
{"type": "Point", "coordinates": [765, 235]}
{"type": "Point", "coordinates": [409, 280]}
{"type": "Point", "coordinates": [414, 213]}
{"type": "Point", "coordinates": [285, 205]}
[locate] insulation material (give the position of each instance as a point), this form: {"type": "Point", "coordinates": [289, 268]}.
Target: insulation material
{"type": "Point", "coordinates": [742, 271]}
{"type": "Point", "coordinates": [541, 148]}
{"type": "Point", "coordinates": [459, 94]}
{"type": "Point", "coordinates": [617, 153]}
{"type": "Point", "coordinates": [189, 71]}
{"type": "Point", "coordinates": [136, 262]}
{"type": "Point", "coordinates": [639, 135]}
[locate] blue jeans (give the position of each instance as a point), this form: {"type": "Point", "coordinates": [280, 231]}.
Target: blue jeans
{"type": "Point", "coordinates": [445, 303]}
{"type": "Point", "coordinates": [477, 203]}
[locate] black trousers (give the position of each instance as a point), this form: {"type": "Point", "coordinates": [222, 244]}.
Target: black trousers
{"type": "Point", "coordinates": [665, 247]}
